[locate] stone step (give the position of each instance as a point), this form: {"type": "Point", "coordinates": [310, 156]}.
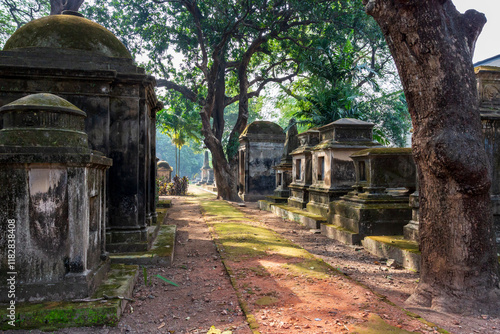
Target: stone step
{"type": "Point", "coordinates": [405, 252]}
{"type": "Point", "coordinates": [340, 234]}
{"type": "Point", "coordinates": [49, 316]}
{"type": "Point", "coordinates": [277, 199]}
{"type": "Point", "coordinates": [162, 251]}
{"type": "Point", "coordinates": [303, 217]}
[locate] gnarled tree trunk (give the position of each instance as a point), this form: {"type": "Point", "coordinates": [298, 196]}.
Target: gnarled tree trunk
{"type": "Point", "coordinates": [432, 45]}
{"type": "Point", "coordinates": [57, 6]}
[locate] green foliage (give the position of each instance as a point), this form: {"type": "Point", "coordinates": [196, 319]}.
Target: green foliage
{"type": "Point", "coordinates": [178, 186]}
{"type": "Point", "coordinates": [349, 74]}
{"type": "Point", "coordinates": [191, 155]}
{"type": "Point", "coordinates": [162, 186]}
{"type": "Point", "coordinates": [15, 13]}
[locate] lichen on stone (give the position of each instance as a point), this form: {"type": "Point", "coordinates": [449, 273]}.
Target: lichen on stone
{"type": "Point", "coordinates": [67, 32]}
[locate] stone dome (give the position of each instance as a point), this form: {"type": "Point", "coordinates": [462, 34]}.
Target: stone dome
{"type": "Point", "coordinates": [262, 128]}
{"type": "Point", "coordinates": [163, 164]}
{"type": "Point", "coordinates": [67, 32]}
{"type": "Point", "coordinates": [43, 101]}
{"type": "Point", "coordinates": [43, 120]}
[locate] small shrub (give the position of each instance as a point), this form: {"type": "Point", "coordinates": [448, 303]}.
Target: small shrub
{"type": "Point", "coordinates": [178, 186]}
{"type": "Point", "coordinates": [162, 186]}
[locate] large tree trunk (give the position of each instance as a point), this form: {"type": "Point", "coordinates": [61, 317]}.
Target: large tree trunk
{"type": "Point", "coordinates": [223, 173]}
{"type": "Point", "coordinates": [432, 45]}
{"type": "Point", "coordinates": [57, 6]}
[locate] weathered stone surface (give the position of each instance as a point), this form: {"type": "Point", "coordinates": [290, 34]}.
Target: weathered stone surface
{"type": "Point", "coordinates": [488, 85]}
{"type": "Point", "coordinates": [163, 169]}
{"type": "Point", "coordinates": [332, 168]}
{"type": "Point", "coordinates": [284, 169]}
{"type": "Point", "coordinates": [302, 169]}
{"type": "Point", "coordinates": [119, 99]}
{"type": "Point", "coordinates": [54, 193]}
{"type": "Point", "coordinates": [67, 31]}
{"type": "Point", "coordinates": [379, 203]}
{"type": "Point", "coordinates": [261, 148]}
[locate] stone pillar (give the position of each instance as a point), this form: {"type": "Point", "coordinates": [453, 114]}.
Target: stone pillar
{"type": "Point", "coordinates": [284, 169]}
{"type": "Point", "coordinates": [53, 190]}
{"type": "Point", "coordinates": [302, 169]}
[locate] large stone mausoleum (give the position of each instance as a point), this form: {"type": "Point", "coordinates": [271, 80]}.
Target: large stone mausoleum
{"type": "Point", "coordinates": [87, 65]}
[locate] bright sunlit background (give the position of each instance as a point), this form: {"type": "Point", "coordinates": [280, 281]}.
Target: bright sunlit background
{"type": "Point", "coordinates": [488, 44]}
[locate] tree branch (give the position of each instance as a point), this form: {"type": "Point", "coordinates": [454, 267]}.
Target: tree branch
{"type": "Point", "coordinates": [186, 92]}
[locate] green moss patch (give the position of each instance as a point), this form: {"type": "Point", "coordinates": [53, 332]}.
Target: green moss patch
{"type": "Point", "coordinates": [54, 315]}
{"type": "Point", "coordinates": [376, 325]}
{"type": "Point", "coordinates": [399, 242]}
{"type": "Point", "coordinates": [162, 250]}
{"type": "Point", "coordinates": [67, 32]}
{"type": "Point", "coordinates": [166, 203]}
{"type": "Point", "coordinates": [301, 212]}
{"type": "Point", "coordinates": [266, 300]}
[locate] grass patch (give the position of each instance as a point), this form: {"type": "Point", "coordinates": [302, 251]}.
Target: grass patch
{"type": "Point", "coordinates": [376, 325]}
{"type": "Point", "coordinates": [399, 242]}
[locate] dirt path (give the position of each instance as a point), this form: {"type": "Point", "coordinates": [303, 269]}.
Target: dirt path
{"type": "Point", "coordinates": [204, 297]}
{"type": "Point", "coordinates": [394, 283]}
{"type": "Point", "coordinates": [277, 275]}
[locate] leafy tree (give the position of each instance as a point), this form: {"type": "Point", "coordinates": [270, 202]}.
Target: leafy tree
{"type": "Point", "coordinates": [432, 44]}
{"type": "Point", "coordinates": [191, 153]}
{"type": "Point", "coordinates": [180, 121]}
{"type": "Point", "coordinates": [15, 13]}
{"type": "Point", "coordinates": [231, 51]}
{"type": "Point", "coordinates": [349, 76]}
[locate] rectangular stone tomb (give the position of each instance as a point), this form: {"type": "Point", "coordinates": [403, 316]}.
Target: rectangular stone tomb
{"type": "Point", "coordinates": [261, 148]}
{"type": "Point", "coordinates": [332, 167]}
{"type": "Point", "coordinates": [379, 204]}
{"type": "Point", "coordinates": [53, 207]}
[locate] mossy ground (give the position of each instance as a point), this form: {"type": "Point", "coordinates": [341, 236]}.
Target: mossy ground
{"type": "Point", "coordinates": [376, 325]}
{"type": "Point", "coordinates": [241, 241]}
{"type": "Point", "coordinates": [54, 315]}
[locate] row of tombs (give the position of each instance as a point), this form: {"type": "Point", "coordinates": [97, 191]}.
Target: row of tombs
{"type": "Point", "coordinates": [336, 178]}
{"type": "Point", "coordinates": [78, 160]}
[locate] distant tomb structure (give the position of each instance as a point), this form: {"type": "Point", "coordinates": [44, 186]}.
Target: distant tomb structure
{"type": "Point", "coordinates": [207, 172]}
{"type": "Point", "coordinates": [87, 65]}
{"type": "Point", "coordinates": [261, 148]}
{"type": "Point", "coordinates": [302, 169]}
{"type": "Point", "coordinates": [284, 168]}
{"type": "Point", "coordinates": [332, 167]}
{"type": "Point", "coordinates": [488, 86]}
{"type": "Point", "coordinates": [54, 193]}
{"type": "Point", "coordinates": [164, 170]}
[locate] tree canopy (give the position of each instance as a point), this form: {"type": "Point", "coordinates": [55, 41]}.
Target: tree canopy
{"type": "Point", "coordinates": [218, 55]}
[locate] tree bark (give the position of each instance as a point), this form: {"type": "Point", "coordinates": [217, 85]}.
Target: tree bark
{"type": "Point", "coordinates": [432, 45]}
{"type": "Point", "coordinates": [58, 6]}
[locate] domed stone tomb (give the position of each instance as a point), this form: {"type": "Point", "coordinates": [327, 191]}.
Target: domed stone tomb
{"type": "Point", "coordinates": [164, 170]}
{"type": "Point", "coordinates": [43, 120]}
{"type": "Point", "coordinates": [53, 196]}
{"type": "Point", "coordinates": [85, 64]}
